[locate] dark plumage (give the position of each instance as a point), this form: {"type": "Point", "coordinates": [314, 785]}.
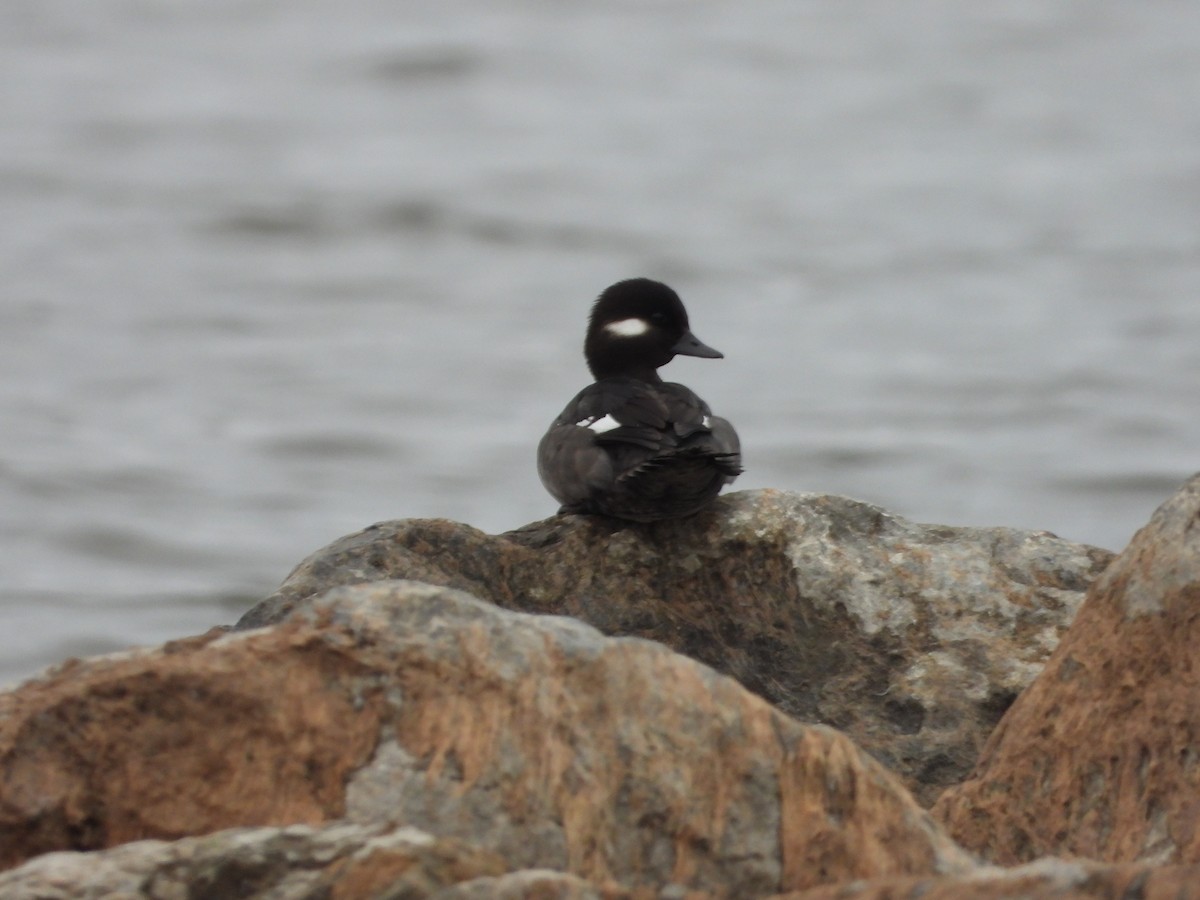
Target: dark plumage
{"type": "Point", "coordinates": [631, 445]}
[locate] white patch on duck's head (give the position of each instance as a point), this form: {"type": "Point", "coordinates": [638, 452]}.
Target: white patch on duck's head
{"type": "Point", "coordinates": [627, 327]}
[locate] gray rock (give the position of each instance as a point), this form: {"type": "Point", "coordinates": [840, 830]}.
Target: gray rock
{"type": "Point", "coordinates": [913, 639]}
{"type": "Point", "coordinates": [531, 884]}
{"type": "Point", "coordinates": [297, 862]}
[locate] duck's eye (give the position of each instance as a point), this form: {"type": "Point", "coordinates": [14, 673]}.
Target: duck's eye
{"type": "Point", "coordinates": [658, 318]}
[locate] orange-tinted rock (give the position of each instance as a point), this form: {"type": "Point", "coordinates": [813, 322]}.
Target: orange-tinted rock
{"type": "Point", "coordinates": [531, 737]}
{"type": "Point", "coordinates": [401, 864]}
{"type": "Point", "coordinates": [187, 739]}
{"type": "Point", "coordinates": [913, 639]}
{"type": "Point", "coordinates": [1048, 879]}
{"type": "Point", "coordinates": [1100, 757]}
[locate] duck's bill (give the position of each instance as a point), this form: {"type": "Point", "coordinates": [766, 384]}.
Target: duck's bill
{"type": "Point", "coordinates": [690, 345]}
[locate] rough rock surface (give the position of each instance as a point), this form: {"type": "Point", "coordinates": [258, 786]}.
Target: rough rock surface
{"type": "Point", "coordinates": [1047, 879]}
{"type": "Point", "coordinates": [352, 862]}
{"type": "Point", "coordinates": [530, 737]}
{"type": "Point", "coordinates": [913, 639]}
{"type": "Point", "coordinates": [336, 862]}
{"type": "Point", "coordinates": [545, 884]}
{"type": "Point", "coordinates": [1101, 756]}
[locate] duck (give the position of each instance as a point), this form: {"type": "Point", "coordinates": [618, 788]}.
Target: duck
{"type": "Point", "coordinates": [630, 445]}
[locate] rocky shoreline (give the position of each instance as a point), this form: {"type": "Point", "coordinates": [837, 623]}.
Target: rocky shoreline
{"type": "Point", "coordinates": [787, 695]}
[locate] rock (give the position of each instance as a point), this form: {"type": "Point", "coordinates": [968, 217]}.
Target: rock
{"type": "Point", "coordinates": [1047, 879]}
{"type": "Point", "coordinates": [913, 639]}
{"type": "Point", "coordinates": [533, 884]}
{"type": "Point", "coordinates": [1100, 757]}
{"type": "Point", "coordinates": [188, 739]}
{"type": "Point", "coordinates": [531, 739]}
{"type": "Point", "coordinates": [337, 861]}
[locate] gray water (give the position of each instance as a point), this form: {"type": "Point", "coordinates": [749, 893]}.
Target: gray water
{"type": "Point", "coordinates": [275, 271]}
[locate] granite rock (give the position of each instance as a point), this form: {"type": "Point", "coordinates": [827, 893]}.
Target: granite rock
{"type": "Point", "coordinates": [531, 739]}
{"type": "Point", "coordinates": [1046, 879]}
{"type": "Point", "coordinates": [298, 862]}
{"type": "Point", "coordinates": [912, 639]}
{"type": "Point", "coordinates": [1100, 757]}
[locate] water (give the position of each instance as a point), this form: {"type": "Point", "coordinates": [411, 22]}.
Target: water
{"type": "Point", "coordinates": [273, 272]}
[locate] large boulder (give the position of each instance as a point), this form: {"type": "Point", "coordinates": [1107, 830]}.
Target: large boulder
{"type": "Point", "coordinates": [1100, 757]}
{"type": "Point", "coordinates": [913, 639]}
{"type": "Point", "coordinates": [530, 739]}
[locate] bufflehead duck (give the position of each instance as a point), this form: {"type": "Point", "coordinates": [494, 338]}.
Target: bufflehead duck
{"type": "Point", "coordinates": [631, 445]}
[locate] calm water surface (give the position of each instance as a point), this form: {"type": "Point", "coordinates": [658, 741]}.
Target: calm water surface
{"type": "Point", "coordinates": [273, 272]}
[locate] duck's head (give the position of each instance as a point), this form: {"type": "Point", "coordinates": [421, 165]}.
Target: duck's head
{"type": "Point", "coordinates": [636, 326]}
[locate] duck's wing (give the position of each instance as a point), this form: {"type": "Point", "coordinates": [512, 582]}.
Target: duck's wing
{"type": "Point", "coordinates": [617, 433]}
{"type": "Point", "coordinates": [701, 433]}
{"type": "Point", "coordinates": [621, 411]}
{"type": "Point", "coordinates": [607, 428]}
